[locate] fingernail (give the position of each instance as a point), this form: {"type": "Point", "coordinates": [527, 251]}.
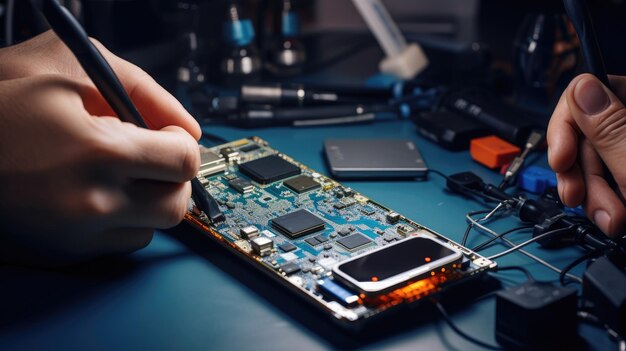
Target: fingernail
{"type": "Point", "coordinates": [591, 97]}
{"type": "Point", "coordinates": [602, 219]}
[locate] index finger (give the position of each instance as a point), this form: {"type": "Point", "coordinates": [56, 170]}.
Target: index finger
{"type": "Point", "coordinates": [157, 106]}
{"type": "Point", "coordinates": [169, 154]}
{"type": "Point", "coordinates": [563, 138]}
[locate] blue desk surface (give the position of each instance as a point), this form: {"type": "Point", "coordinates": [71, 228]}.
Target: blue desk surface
{"type": "Point", "coordinates": [169, 297]}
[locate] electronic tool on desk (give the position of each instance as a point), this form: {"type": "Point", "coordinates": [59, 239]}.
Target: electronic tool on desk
{"type": "Point", "coordinates": [320, 238]}
{"type": "Point", "coordinates": [374, 158]}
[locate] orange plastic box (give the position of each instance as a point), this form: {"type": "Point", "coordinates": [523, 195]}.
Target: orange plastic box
{"type": "Point", "coordinates": [492, 151]}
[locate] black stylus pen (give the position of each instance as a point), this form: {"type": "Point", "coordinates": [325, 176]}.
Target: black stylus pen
{"type": "Point", "coordinates": [97, 68]}
{"type": "Point", "coordinates": [579, 15]}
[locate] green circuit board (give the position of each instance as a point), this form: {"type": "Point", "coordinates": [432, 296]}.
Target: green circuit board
{"type": "Point", "coordinates": [295, 224]}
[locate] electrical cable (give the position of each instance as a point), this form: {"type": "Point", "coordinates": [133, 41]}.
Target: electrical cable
{"type": "Point", "coordinates": [507, 241]}
{"type": "Point", "coordinates": [470, 225]}
{"type": "Point", "coordinates": [576, 262]}
{"type": "Point", "coordinates": [517, 268]}
{"type": "Point", "coordinates": [528, 242]}
{"type": "Point", "coordinates": [500, 235]}
{"type": "Point", "coordinates": [472, 192]}
{"type": "Point", "coordinates": [589, 318]}
{"type": "Point", "coordinates": [489, 215]}
{"type": "Point", "coordinates": [461, 333]}
{"type": "Point", "coordinates": [8, 22]}
{"type": "Point", "coordinates": [524, 252]}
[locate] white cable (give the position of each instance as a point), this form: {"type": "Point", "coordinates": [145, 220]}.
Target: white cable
{"type": "Point", "coordinates": [8, 22]}
{"type": "Point", "coordinates": [528, 242]}
{"type": "Point", "coordinates": [524, 252]}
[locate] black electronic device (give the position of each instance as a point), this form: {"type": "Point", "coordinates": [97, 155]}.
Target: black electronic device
{"type": "Point", "coordinates": [449, 129]}
{"type": "Point", "coordinates": [604, 293]}
{"type": "Point", "coordinates": [536, 316]}
{"type": "Point", "coordinates": [374, 158]}
{"type": "Point", "coordinates": [295, 225]}
{"type": "Point", "coordinates": [386, 268]}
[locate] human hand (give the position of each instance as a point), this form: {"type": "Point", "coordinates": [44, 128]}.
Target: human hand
{"type": "Point", "coordinates": [75, 182]}
{"type": "Point", "coordinates": [587, 129]}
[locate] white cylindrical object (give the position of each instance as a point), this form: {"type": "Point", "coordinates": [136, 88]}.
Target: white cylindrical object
{"type": "Point", "coordinates": [382, 25]}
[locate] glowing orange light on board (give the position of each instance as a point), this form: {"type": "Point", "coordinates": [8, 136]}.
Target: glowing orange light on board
{"type": "Point", "coordinates": [427, 259]}
{"type": "Point", "coordinates": [374, 279]}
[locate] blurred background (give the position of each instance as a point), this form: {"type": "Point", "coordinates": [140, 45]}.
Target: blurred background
{"type": "Point", "coordinates": [469, 42]}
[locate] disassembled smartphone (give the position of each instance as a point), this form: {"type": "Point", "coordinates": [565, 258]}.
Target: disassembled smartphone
{"type": "Point", "coordinates": [347, 255]}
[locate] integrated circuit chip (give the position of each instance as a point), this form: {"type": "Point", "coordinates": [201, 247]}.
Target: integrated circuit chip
{"type": "Point", "coordinates": [301, 184]}
{"type": "Point", "coordinates": [249, 147]}
{"type": "Point", "coordinates": [290, 268]}
{"type": "Point", "coordinates": [241, 185]}
{"type": "Point", "coordinates": [269, 169]}
{"type": "Point", "coordinates": [298, 223]}
{"type": "Point", "coordinates": [354, 241]}
{"type": "Point", "coordinates": [287, 247]}
{"type": "Point", "coordinates": [312, 241]}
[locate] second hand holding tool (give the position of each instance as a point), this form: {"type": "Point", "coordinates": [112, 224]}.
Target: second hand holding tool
{"type": "Point", "coordinates": [100, 72]}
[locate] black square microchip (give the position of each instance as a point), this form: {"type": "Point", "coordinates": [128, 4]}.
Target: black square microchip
{"type": "Point", "coordinates": [269, 169]}
{"type": "Point", "coordinates": [322, 239]}
{"type": "Point", "coordinates": [312, 241]}
{"type": "Point", "coordinates": [301, 184]}
{"type": "Point", "coordinates": [290, 268]}
{"type": "Point", "coordinates": [353, 241]}
{"type": "Point", "coordinates": [298, 223]}
{"type": "Point", "coordinates": [287, 247]}
{"type": "Point", "coordinates": [249, 147]}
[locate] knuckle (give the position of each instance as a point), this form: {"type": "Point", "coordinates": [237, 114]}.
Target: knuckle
{"type": "Point", "coordinates": [610, 130]}
{"type": "Point", "coordinates": [190, 160]}
{"type": "Point", "coordinates": [97, 203]}
{"type": "Point", "coordinates": [177, 211]}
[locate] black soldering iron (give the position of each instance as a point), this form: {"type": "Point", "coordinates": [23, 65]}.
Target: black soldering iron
{"type": "Point", "coordinates": [97, 68]}
{"type": "Point", "coordinates": [579, 15]}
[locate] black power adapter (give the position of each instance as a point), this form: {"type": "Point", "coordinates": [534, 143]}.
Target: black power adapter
{"type": "Point", "coordinates": [604, 294]}
{"type": "Point", "coordinates": [536, 316]}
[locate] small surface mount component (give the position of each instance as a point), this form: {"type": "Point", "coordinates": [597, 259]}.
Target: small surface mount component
{"type": "Point", "coordinates": [262, 246]}
{"type": "Point", "coordinates": [269, 169]}
{"type": "Point", "coordinates": [230, 154]}
{"type": "Point", "coordinates": [301, 184]}
{"type": "Point", "coordinates": [404, 229]}
{"type": "Point", "coordinates": [249, 148]}
{"type": "Point", "coordinates": [393, 217]}
{"type": "Point", "coordinates": [241, 185]}
{"type": "Point", "coordinates": [210, 163]}
{"type": "Point", "coordinates": [290, 268]}
{"type": "Point", "coordinates": [354, 241]}
{"type": "Point", "coordinates": [298, 223]}
{"type": "Point", "coordinates": [249, 232]}
{"type": "Point", "coordinates": [316, 240]}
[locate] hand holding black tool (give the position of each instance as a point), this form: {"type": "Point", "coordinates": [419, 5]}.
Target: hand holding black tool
{"type": "Point", "coordinates": [74, 36]}
{"type": "Point", "coordinates": [578, 12]}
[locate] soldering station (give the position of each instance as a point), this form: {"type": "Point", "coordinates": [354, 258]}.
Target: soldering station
{"type": "Point", "coordinates": [336, 163]}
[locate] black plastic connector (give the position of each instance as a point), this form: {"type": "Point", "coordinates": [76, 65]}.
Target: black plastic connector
{"type": "Point", "coordinates": [604, 293]}
{"type": "Point", "coordinates": [536, 316]}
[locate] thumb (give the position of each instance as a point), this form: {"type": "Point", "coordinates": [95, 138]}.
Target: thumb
{"type": "Point", "coordinates": [601, 117]}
